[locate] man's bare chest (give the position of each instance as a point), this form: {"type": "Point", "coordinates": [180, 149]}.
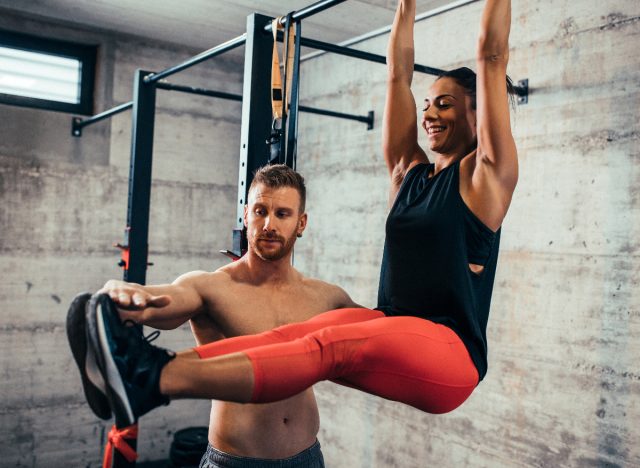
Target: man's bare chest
{"type": "Point", "coordinates": [254, 309]}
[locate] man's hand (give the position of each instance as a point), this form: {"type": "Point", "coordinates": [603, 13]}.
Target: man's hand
{"type": "Point", "coordinates": [132, 296]}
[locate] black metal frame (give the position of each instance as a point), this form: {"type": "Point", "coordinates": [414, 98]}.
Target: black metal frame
{"type": "Point", "coordinates": [135, 247]}
{"type": "Point", "coordinates": [256, 117]}
{"type": "Point", "coordinates": [206, 55]}
{"type": "Point", "coordinates": [77, 123]}
{"type": "Point", "coordinates": [85, 54]}
{"type": "Point", "coordinates": [137, 230]}
{"type": "Point", "coordinates": [307, 11]}
{"type": "Point", "coordinates": [360, 54]}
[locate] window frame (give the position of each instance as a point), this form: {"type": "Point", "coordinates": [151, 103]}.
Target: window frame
{"type": "Point", "coordinates": [86, 54]}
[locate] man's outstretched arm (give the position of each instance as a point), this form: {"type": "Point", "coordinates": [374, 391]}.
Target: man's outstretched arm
{"type": "Point", "coordinates": [165, 306]}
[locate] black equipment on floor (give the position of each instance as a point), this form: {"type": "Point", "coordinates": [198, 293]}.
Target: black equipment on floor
{"type": "Point", "coordinates": [188, 447]}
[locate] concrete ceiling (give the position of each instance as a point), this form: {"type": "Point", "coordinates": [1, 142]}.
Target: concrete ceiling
{"type": "Point", "coordinates": [202, 24]}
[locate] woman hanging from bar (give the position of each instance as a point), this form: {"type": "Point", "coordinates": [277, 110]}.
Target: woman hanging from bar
{"type": "Point", "coordinates": [426, 344]}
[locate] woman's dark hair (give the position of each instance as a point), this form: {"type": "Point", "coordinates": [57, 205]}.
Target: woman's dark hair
{"type": "Point", "coordinates": [466, 78]}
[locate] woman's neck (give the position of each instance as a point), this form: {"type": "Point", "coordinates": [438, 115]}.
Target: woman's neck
{"type": "Point", "coordinates": [442, 161]}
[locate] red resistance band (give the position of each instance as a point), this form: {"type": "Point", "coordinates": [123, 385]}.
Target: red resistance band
{"type": "Point", "coordinates": [116, 440]}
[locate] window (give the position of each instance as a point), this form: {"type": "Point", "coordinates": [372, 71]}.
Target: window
{"type": "Point", "coordinates": [47, 74]}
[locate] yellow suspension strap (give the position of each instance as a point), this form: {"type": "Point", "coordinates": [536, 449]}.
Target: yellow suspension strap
{"type": "Point", "coordinates": [281, 96]}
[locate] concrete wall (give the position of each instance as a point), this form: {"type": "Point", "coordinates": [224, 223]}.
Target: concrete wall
{"type": "Point", "coordinates": [563, 387]}
{"type": "Point", "coordinates": [63, 204]}
{"type": "Point", "coordinates": [564, 378]}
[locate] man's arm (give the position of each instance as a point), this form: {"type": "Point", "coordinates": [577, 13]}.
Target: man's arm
{"type": "Point", "coordinates": [164, 306]}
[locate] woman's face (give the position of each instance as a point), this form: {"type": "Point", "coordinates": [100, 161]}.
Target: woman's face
{"type": "Point", "coordinates": [448, 118]}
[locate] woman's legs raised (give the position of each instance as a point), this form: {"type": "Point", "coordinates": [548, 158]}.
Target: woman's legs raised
{"type": "Point", "coordinates": [287, 332]}
{"type": "Point", "coordinates": [228, 376]}
{"type": "Point", "coordinates": [406, 359]}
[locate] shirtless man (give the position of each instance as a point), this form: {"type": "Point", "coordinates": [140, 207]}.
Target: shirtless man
{"type": "Point", "coordinates": [260, 291]}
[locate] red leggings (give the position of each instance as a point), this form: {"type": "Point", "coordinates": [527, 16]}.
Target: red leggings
{"type": "Point", "coordinates": [406, 359]}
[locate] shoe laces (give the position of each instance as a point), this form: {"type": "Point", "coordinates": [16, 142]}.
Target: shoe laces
{"type": "Point", "coordinates": [148, 338]}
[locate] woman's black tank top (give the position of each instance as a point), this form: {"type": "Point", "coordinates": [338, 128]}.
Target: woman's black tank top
{"type": "Point", "coordinates": [431, 237]}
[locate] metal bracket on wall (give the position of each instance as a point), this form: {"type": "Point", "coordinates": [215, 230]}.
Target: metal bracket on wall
{"type": "Point", "coordinates": [522, 91]}
{"type": "Point", "coordinates": [76, 127]}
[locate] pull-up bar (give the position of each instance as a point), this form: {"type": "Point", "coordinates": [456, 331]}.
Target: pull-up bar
{"type": "Point", "coordinates": [237, 42]}
{"type": "Point", "coordinates": [201, 57]}
{"type": "Point", "coordinates": [314, 44]}
{"type": "Point", "coordinates": [308, 11]}
{"type": "Point", "coordinates": [368, 119]}
{"type": "Point", "coordinates": [360, 54]}
{"type": "Point", "coordinates": [78, 123]}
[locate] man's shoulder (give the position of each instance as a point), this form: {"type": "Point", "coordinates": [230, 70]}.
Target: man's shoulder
{"type": "Point", "coordinates": [317, 284]}
{"type": "Point", "coordinates": [332, 292]}
{"type": "Point", "coordinates": [201, 280]}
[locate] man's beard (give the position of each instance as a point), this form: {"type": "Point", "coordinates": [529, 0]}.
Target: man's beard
{"type": "Point", "coordinates": [285, 246]}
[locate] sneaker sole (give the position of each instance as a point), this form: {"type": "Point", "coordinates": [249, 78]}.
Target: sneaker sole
{"type": "Point", "coordinates": [115, 386]}
{"type": "Point", "coordinates": [92, 383]}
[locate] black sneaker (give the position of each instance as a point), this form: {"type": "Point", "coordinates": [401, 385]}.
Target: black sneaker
{"type": "Point", "coordinates": [129, 364]}
{"type": "Point", "coordinates": [92, 382]}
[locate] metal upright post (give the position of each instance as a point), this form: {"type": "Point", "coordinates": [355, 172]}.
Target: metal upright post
{"type": "Point", "coordinates": [137, 231]}
{"type": "Point", "coordinates": [256, 115]}
{"type": "Point", "coordinates": [135, 247]}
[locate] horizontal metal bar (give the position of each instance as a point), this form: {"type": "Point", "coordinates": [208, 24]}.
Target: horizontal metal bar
{"type": "Point", "coordinates": [238, 41]}
{"type": "Point", "coordinates": [207, 54]}
{"type": "Point", "coordinates": [360, 54]}
{"type": "Point", "coordinates": [522, 91]}
{"type": "Point", "coordinates": [359, 118]}
{"type": "Point", "coordinates": [78, 124]}
{"type": "Point", "coordinates": [201, 91]}
{"type": "Point", "coordinates": [314, 9]}
{"type": "Point", "coordinates": [309, 11]}
{"type": "Point", "coordinates": [368, 119]}
{"type": "Point", "coordinates": [386, 29]}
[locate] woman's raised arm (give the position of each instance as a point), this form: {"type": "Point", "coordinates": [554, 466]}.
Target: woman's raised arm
{"type": "Point", "coordinates": [400, 128]}
{"type": "Point", "coordinates": [496, 156]}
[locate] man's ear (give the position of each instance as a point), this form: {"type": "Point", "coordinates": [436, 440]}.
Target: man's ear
{"type": "Point", "coordinates": [302, 224]}
{"type": "Point", "coordinates": [246, 213]}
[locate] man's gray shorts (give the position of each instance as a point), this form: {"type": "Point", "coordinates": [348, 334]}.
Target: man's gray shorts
{"type": "Point", "coordinates": [309, 458]}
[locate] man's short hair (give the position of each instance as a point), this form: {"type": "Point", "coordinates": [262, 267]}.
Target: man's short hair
{"type": "Point", "coordinates": [281, 175]}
